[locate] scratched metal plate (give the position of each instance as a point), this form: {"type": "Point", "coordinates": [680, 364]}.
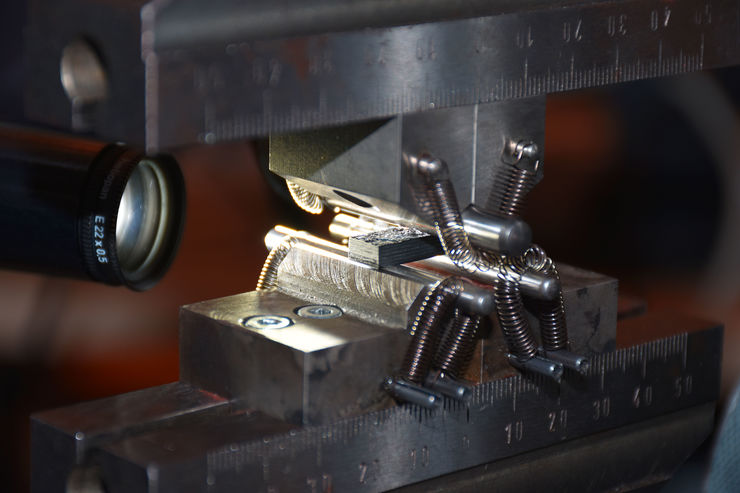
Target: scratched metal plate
{"type": "Point", "coordinates": [235, 89]}
{"type": "Point", "coordinates": [404, 445]}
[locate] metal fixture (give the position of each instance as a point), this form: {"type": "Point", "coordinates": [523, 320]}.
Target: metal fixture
{"type": "Point", "coordinates": [347, 92]}
{"type": "Point", "coordinates": [410, 393]}
{"type": "Point", "coordinates": [319, 311]}
{"type": "Point", "coordinates": [508, 235]}
{"type": "Point", "coordinates": [519, 415]}
{"type": "Point", "coordinates": [447, 386]}
{"type": "Point", "coordinates": [267, 322]}
{"type": "Point", "coordinates": [538, 365]}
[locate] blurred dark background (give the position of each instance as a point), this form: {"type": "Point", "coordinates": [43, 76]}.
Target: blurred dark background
{"type": "Point", "coordinates": [642, 183]}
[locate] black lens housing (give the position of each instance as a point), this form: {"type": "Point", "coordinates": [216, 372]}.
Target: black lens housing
{"type": "Point", "coordinates": [107, 180]}
{"type": "Point", "coordinates": [59, 204]}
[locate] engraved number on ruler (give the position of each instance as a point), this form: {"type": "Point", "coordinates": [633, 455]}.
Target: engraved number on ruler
{"type": "Point", "coordinates": [703, 15]}
{"type": "Point", "coordinates": [557, 420]}
{"type": "Point", "coordinates": [601, 408]}
{"type": "Point", "coordinates": [420, 458]}
{"type": "Point", "coordinates": [573, 31]}
{"type": "Point", "coordinates": [682, 386]}
{"type": "Point", "coordinates": [524, 38]}
{"type": "Point", "coordinates": [660, 18]}
{"type": "Point", "coordinates": [323, 485]}
{"type": "Point", "coordinates": [369, 472]}
{"type": "Point", "coordinates": [616, 25]}
{"type": "Point", "coordinates": [514, 432]}
{"type": "Point", "coordinates": [642, 396]}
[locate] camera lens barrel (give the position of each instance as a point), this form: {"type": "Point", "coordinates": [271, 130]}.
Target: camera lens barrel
{"type": "Point", "coordinates": [82, 208]}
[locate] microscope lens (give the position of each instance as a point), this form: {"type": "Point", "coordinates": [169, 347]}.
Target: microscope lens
{"type": "Point", "coordinates": [80, 208]}
{"type": "Point", "coordinates": [143, 220]}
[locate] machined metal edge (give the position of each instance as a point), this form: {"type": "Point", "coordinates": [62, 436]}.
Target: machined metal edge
{"type": "Point", "coordinates": [406, 444]}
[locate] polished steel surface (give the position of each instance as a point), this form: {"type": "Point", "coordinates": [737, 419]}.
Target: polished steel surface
{"type": "Point", "coordinates": [631, 458]}
{"type": "Point", "coordinates": [507, 235]}
{"type": "Point", "coordinates": [403, 445]}
{"type": "Point", "coordinates": [266, 349]}
{"type": "Point", "coordinates": [319, 271]}
{"type": "Point", "coordinates": [235, 70]}
{"type": "Point", "coordinates": [276, 397]}
{"type": "Point", "coordinates": [472, 140]}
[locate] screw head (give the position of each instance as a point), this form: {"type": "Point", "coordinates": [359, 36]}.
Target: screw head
{"type": "Point", "coordinates": [267, 322]}
{"type": "Point", "coordinates": [319, 311]}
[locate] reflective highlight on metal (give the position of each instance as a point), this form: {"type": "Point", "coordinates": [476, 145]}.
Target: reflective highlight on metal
{"type": "Point", "coordinates": [514, 183]}
{"type": "Point", "coordinates": [510, 236]}
{"type": "Point", "coordinates": [426, 329]}
{"type": "Point", "coordinates": [449, 387]}
{"type": "Point", "coordinates": [539, 366]}
{"type": "Point", "coordinates": [458, 345]}
{"type": "Point", "coordinates": [267, 322]}
{"type": "Point", "coordinates": [82, 73]}
{"type": "Point", "coordinates": [569, 360]}
{"type": "Point", "coordinates": [309, 202]}
{"type": "Point", "coordinates": [144, 216]}
{"type": "Point", "coordinates": [411, 393]}
{"type": "Point", "coordinates": [532, 284]}
{"type": "Point", "coordinates": [268, 275]}
{"type": "Point", "coordinates": [319, 311]}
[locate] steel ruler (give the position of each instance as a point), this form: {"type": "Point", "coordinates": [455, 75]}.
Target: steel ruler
{"type": "Point", "coordinates": [404, 445]}
{"type": "Point", "coordinates": [234, 87]}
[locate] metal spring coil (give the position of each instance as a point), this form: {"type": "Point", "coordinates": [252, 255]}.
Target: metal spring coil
{"type": "Point", "coordinates": [436, 198]}
{"type": "Point", "coordinates": [551, 313]}
{"type": "Point", "coordinates": [457, 246]}
{"type": "Point", "coordinates": [510, 310]}
{"type": "Point", "coordinates": [268, 275]}
{"type": "Point", "coordinates": [458, 347]}
{"type": "Point", "coordinates": [425, 329]}
{"type": "Point", "coordinates": [308, 201]}
{"type": "Point", "coordinates": [512, 191]}
{"type": "Point", "coordinates": [423, 200]}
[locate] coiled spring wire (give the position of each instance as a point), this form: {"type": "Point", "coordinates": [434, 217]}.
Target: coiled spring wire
{"type": "Point", "coordinates": [441, 201]}
{"type": "Point", "coordinates": [268, 275]}
{"type": "Point", "coordinates": [513, 191]}
{"type": "Point", "coordinates": [551, 314]}
{"type": "Point", "coordinates": [308, 201]}
{"type": "Point", "coordinates": [511, 188]}
{"type": "Point", "coordinates": [510, 310]}
{"type": "Point", "coordinates": [437, 201]}
{"type": "Point", "coordinates": [456, 351]}
{"type": "Point", "coordinates": [426, 327]}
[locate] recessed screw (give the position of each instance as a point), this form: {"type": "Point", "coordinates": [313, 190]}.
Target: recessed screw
{"type": "Point", "coordinates": [265, 322]}
{"type": "Point", "coordinates": [319, 311]}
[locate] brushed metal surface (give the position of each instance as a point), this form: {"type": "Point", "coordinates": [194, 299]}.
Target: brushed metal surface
{"type": "Point", "coordinates": [403, 445]}
{"type": "Point", "coordinates": [228, 70]}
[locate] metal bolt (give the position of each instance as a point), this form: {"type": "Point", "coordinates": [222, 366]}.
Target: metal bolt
{"type": "Point", "coordinates": [319, 311]}
{"type": "Point", "coordinates": [265, 322]}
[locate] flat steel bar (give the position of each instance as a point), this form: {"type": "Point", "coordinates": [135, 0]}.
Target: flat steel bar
{"type": "Point", "coordinates": [237, 86]}
{"type": "Point", "coordinates": [406, 444]}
